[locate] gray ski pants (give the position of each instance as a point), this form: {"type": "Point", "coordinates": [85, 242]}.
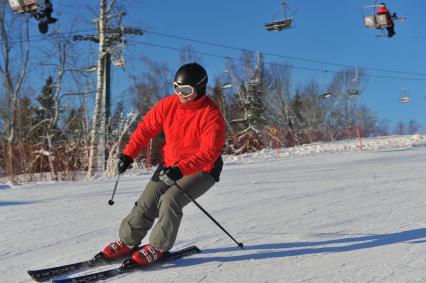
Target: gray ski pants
{"type": "Point", "coordinates": [158, 200]}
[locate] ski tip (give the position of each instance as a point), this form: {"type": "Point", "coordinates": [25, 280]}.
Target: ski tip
{"type": "Point", "coordinates": [189, 250]}
{"type": "Point", "coordinates": [197, 249]}
{"type": "Point", "coordinates": [33, 276]}
{"type": "Point", "coordinates": [33, 273]}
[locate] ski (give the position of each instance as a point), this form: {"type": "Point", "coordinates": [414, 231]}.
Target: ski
{"type": "Point", "coordinates": [127, 266]}
{"type": "Point", "coordinates": [41, 275]}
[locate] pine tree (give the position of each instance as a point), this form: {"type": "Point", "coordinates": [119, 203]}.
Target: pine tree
{"type": "Point", "coordinates": [250, 138]}
{"type": "Point", "coordinates": [45, 114]}
{"type": "Point", "coordinates": [25, 122]}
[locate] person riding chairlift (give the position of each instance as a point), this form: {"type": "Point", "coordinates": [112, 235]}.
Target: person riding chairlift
{"type": "Point", "coordinates": [44, 15]}
{"type": "Point", "coordinates": [382, 10]}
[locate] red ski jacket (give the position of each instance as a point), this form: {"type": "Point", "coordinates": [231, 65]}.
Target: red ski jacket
{"type": "Point", "coordinates": [383, 10]}
{"type": "Point", "coordinates": [195, 133]}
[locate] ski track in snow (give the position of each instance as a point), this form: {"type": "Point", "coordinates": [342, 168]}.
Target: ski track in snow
{"type": "Point", "coordinates": [325, 212]}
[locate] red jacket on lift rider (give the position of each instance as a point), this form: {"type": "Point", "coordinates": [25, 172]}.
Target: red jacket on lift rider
{"type": "Point", "coordinates": [382, 10]}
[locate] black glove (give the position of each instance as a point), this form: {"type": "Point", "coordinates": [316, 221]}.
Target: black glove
{"type": "Point", "coordinates": [124, 162]}
{"type": "Point", "coordinates": [169, 175]}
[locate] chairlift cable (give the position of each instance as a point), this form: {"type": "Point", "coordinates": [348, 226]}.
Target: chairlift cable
{"type": "Point", "coordinates": [274, 63]}
{"type": "Point", "coordinates": [278, 55]}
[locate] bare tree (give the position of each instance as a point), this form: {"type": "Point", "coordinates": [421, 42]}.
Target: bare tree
{"type": "Point", "coordinates": [188, 54]}
{"type": "Point", "coordinates": [400, 128]}
{"type": "Point", "coordinates": [102, 51]}
{"type": "Point", "coordinates": [413, 127]}
{"type": "Point", "coordinates": [13, 74]}
{"type": "Point", "coordinates": [152, 85]}
{"type": "Point", "coordinates": [279, 95]}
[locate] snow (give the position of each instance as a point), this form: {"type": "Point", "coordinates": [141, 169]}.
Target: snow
{"type": "Point", "coordinates": [325, 212]}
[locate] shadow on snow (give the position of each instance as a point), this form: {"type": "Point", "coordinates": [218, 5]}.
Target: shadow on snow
{"type": "Point", "coordinates": [11, 203]}
{"type": "Point", "coordinates": [276, 250]}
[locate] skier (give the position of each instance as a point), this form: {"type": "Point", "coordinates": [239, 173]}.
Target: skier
{"type": "Point", "coordinates": [384, 11]}
{"type": "Point", "coordinates": [195, 131]}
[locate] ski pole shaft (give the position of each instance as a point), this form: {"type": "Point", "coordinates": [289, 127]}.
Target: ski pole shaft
{"type": "Point", "coordinates": [240, 245]}
{"type": "Point", "coordinates": [111, 201]}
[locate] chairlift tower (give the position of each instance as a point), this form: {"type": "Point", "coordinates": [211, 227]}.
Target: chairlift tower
{"type": "Point", "coordinates": [107, 37]}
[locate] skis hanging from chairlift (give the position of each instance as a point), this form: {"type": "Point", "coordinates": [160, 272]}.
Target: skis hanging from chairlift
{"type": "Point", "coordinates": [284, 23]}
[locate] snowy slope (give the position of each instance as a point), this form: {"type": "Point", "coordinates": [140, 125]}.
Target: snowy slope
{"type": "Point", "coordinates": [314, 213]}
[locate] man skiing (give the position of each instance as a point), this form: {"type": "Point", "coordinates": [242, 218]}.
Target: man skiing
{"type": "Point", "coordinates": [195, 132]}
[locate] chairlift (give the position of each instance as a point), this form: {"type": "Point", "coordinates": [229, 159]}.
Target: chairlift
{"type": "Point", "coordinates": [226, 76]}
{"type": "Point", "coordinates": [404, 97]}
{"type": "Point", "coordinates": [41, 10]}
{"type": "Point", "coordinates": [91, 69]}
{"type": "Point", "coordinates": [326, 93]}
{"type": "Point", "coordinates": [118, 57]}
{"type": "Point", "coordinates": [118, 52]}
{"type": "Point", "coordinates": [279, 25]}
{"type": "Point", "coordinates": [353, 91]}
{"type": "Point", "coordinates": [119, 62]}
{"type": "Point", "coordinates": [372, 20]}
{"type": "Point", "coordinates": [23, 6]}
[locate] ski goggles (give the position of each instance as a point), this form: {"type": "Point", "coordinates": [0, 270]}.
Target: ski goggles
{"type": "Point", "coordinates": [183, 90]}
{"type": "Point", "coordinates": [186, 90]}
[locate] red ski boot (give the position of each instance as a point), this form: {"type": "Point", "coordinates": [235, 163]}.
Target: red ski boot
{"type": "Point", "coordinates": [116, 250]}
{"type": "Point", "coordinates": [148, 254]}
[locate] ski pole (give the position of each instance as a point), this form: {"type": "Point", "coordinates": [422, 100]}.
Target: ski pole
{"type": "Point", "coordinates": [111, 201]}
{"type": "Point", "coordinates": [240, 245]}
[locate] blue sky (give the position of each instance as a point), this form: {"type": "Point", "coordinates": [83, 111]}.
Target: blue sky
{"type": "Point", "coordinates": [325, 30]}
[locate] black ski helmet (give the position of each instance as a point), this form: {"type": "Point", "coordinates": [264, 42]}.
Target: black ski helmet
{"type": "Point", "coordinates": [194, 75]}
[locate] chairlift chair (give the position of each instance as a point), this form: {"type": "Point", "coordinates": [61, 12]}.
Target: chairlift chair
{"type": "Point", "coordinates": [118, 51]}
{"type": "Point", "coordinates": [353, 91]}
{"type": "Point", "coordinates": [226, 83]}
{"type": "Point", "coordinates": [118, 62]}
{"type": "Point", "coordinates": [279, 25]}
{"type": "Point", "coordinates": [226, 76]}
{"type": "Point", "coordinates": [404, 98]}
{"type": "Point", "coordinates": [376, 21]}
{"type": "Point", "coordinates": [381, 21]}
{"type": "Point", "coordinates": [326, 95]}
{"type": "Point", "coordinates": [117, 57]}
{"type": "Point", "coordinates": [23, 6]}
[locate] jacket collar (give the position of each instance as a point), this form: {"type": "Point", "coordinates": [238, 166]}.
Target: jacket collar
{"type": "Point", "coordinates": [194, 104]}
